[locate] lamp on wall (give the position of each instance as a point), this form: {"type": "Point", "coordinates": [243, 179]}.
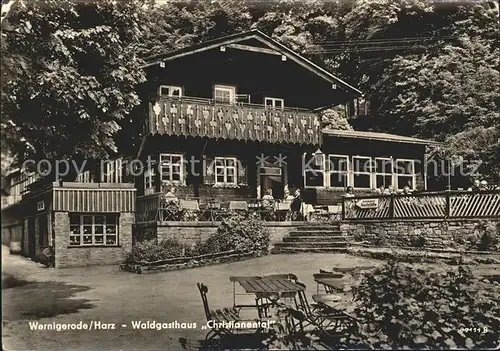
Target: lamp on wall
{"type": "Point", "coordinates": [318, 158]}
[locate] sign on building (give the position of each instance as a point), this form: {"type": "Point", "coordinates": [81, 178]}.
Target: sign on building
{"type": "Point", "coordinates": [367, 203]}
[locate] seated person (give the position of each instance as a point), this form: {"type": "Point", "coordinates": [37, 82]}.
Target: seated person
{"type": "Point", "coordinates": [288, 197]}
{"type": "Point", "coordinates": [406, 190]}
{"type": "Point", "coordinates": [296, 202]}
{"type": "Point", "coordinates": [349, 192]}
{"type": "Point", "coordinates": [170, 197]}
{"type": "Point", "coordinates": [475, 186]}
{"type": "Point", "coordinates": [268, 200]}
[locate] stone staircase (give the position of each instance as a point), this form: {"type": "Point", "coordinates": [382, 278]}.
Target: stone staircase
{"type": "Point", "coordinates": [314, 238]}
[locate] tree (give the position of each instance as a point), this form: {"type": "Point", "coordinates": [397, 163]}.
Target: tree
{"type": "Point", "coordinates": [333, 119]}
{"type": "Point", "coordinates": [448, 91]}
{"type": "Point", "coordinates": [71, 79]}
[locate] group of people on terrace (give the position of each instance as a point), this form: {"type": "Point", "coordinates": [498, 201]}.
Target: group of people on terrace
{"type": "Point", "coordinates": [382, 190]}
{"type": "Point", "coordinates": [267, 201]}
{"type": "Point", "coordinates": [481, 185]}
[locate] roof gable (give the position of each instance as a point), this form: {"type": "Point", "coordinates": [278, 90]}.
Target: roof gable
{"type": "Point", "coordinates": [259, 42]}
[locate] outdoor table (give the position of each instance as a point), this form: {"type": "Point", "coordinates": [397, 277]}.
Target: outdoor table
{"type": "Point", "coordinates": [271, 289]}
{"type": "Point", "coordinates": [334, 283]}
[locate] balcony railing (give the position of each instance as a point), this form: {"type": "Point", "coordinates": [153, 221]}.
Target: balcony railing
{"type": "Point", "coordinates": [155, 208]}
{"type": "Point", "coordinates": [93, 197]}
{"type": "Point", "coordinates": [451, 204]}
{"type": "Point", "coordinates": [206, 118]}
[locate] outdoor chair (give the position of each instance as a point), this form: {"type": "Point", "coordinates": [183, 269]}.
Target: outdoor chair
{"type": "Point", "coordinates": [326, 320]}
{"type": "Point", "coordinates": [221, 318]}
{"type": "Point", "coordinates": [267, 213]}
{"type": "Point", "coordinates": [170, 211]}
{"type": "Point", "coordinates": [335, 213]}
{"type": "Point", "coordinates": [330, 275]}
{"type": "Point", "coordinates": [207, 209]}
{"type": "Point", "coordinates": [282, 209]}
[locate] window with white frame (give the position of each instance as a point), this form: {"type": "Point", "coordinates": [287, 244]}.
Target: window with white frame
{"type": "Point", "coordinates": [274, 103]}
{"type": "Point", "coordinates": [383, 172]}
{"type": "Point", "coordinates": [339, 171]}
{"type": "Point", "coordinates": [225, 170]}
{"type": "Point", "coordinates": [88, 230]}
{"type": "Point", "coordinates": [149, 183]}
{"type": "Point", "coordinates": [111, 171]}
{"type": "Point", "coordinates": [405, 173]}
{"type": "Point", "coordinates": [170, 90]}
{"type": "Point", "coordinates": [171, 168]}
{"type": "Point", "coordinates": [314, 170]}
{"type": "Point", "coordinates": [225, 94]}
{"type": "Point", "coordinates": [362, 172]}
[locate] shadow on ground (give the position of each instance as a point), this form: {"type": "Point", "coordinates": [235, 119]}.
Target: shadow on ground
{"type": "Point", "coordinates": [35, 300]}
{"type": "Point", "coordinates": [9, 281]}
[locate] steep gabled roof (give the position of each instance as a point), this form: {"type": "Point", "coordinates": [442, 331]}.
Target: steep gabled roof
{"type": "Point", "coordinates": [377, 136]}
{"type": "Point", "coordinates": [261, 37]}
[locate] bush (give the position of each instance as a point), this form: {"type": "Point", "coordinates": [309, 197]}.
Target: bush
{"type": "Point", "coordinates": [489, 239]}
{"type": "Point", "coordinates": [485, 237]}
{"type": "Point", "coordinates": [403, 307]}
{"type": "Point", "coordinates": [238, 233]}
{"type": "Point", "coordinates": [152, 250]}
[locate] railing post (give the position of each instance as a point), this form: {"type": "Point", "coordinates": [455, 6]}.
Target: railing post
{"type": "Point", "coordinates": [448, 204]}
{"type": "Point", "coordinates": [391, 207]}
{"type": "Point", "coordinates": [343, 208]}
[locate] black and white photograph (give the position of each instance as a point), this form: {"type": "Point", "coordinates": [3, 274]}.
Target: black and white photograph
{"type": "Point", "coordinates": [250, 175]}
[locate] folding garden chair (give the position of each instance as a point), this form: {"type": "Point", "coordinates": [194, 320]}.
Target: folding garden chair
{"type": "Point", "coordinates": [221, 319]}
{"type": "Point", "coordinates": [325, 320]}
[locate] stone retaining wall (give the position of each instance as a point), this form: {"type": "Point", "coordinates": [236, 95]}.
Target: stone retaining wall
{"type": "Point", "coordinates": [421, 233]}
{"type": "Point", "coordinates": [192, 232]}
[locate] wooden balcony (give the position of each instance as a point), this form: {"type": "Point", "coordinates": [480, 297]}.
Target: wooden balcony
{"type": "Point", "coordinates": [205, 118]}
{"type": "Point", "coordinates": [93, 197]}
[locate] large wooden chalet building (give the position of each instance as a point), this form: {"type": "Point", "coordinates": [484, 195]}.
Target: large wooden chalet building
{"type": "Point", "coordinates": [224, 120]}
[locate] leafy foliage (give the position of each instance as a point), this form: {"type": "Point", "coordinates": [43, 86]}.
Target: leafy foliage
{"type": "Point", "coordinates": [67, 68]}
{"type": "Point", "coordinates": [333, 119]}
{"type": "Point", "coordinates": [239, 233]}
{"type": "Point", "coordinates": [236, 233]}
{"type": "Point", "coordinates": [152, 250]}
{"type": "Point", "coordinates": [401, 306]}
{"type": "Point", "coordinates": [486, 238]}
{"type": "Point", "coordinates": [446, 90]}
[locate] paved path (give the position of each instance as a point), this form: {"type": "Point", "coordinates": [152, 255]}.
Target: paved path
{"type": "Point", "coordinates": [108, 295]}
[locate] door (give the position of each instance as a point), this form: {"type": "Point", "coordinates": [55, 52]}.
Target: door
{"type": "Point", "coordinates": [271, 178]}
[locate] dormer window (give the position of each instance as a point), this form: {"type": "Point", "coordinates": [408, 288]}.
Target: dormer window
{"type": "Point", "coordinates": [170, 90]}
{"type": "Point", "coordinates": [224, 94]}
{"type": "Point", "coordinates": [274, 103]}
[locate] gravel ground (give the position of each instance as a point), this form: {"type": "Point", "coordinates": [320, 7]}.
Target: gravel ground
{"type": "Point", "coordinates": [31, 293]}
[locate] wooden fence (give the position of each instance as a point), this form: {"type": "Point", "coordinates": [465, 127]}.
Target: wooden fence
{"type": "Point", "coordinates": [450, 204]}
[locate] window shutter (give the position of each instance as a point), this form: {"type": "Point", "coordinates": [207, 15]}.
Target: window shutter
{"type": "Point", "coordinates": [242, 172]}
{"type": "Point", "coordinates": [209, 171]}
